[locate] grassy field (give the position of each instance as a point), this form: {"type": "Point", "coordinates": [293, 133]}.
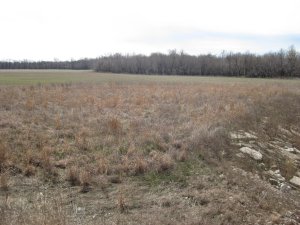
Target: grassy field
{"type": "Point", "coordinates": [31, 77]}
{"type": "Point", "coordinates": [91, 148]}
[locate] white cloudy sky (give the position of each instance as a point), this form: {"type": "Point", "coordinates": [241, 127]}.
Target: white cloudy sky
{"type": "Point", "coordinates": [65, 29]}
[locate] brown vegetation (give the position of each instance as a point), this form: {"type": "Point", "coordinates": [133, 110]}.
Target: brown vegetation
{"type": "Point", "coordinates": [176, 137]}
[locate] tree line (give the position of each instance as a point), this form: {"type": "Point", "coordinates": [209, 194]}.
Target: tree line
{"type": "Point", "coordinates": [283, 63]}
{"type": "Point", "coordinates": [82, 64]}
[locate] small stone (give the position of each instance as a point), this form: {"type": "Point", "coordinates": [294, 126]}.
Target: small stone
{"type": "Point", "coordinates": [235, 136]}
{"type": "Point", "coordinates": [80, 209]}
{"type": "Point", "coordinates": [273, 167]}
{"type": "Point", "coordinates": [285, 187]}
{"type": "Point", "coordinates": [262, 166]}
{"type": "Point", "coordinates": [295, 181]}
{"type": "Point", "coordinates": [252, 153]}
{"type": "Point", "coordinates": [240, 155]}
{"type": "Point", "coordinates": [277, 171]}
{"type": "Point", "coordinates": [292, 150]}
{"type": "Point", "coordinates": [242, 135]}
{"type": "Point", "coordinates": [288, 145]}
{"type": "Point", "coordinates": [248, 135]}
{"type": "Point", "coordinates": [276, 175]}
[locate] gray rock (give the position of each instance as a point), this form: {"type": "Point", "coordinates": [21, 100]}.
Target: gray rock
{"type": "Point", "coordinates": [242, 135]}
{"type": "Point", "coordinates": [250, 136]}
{"type": "Point", "coordinates": [295, 181]}
{"type": "Point", "coordinates": [290, 149]}
{"type": "Point", "coordinates": [285, 187]}
{"type": "Point", "coordinates": [274, 167]}
{"type": "Point", "coordinates": [252, 153]}
{"type": "Point", "coordinates": [276, 175]}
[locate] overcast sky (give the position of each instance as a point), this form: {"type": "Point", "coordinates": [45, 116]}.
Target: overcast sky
{"type": "Point", "coordinates": [65, 29]}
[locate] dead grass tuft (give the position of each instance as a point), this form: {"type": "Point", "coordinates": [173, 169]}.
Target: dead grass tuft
{"type": "Point", "coordinates": [103, 166]}
{"type": "Point", "coordinates": [165, 162]}
{"type": "Point", "coordinates": [3, 156]}
{"type": "Point", "coordinates": [4, 181]}
{"type": "Point", "coordinates": [182, 156]}
{"type": "Point", "coordinates": [112, 102]}
{"type": "Point", "coordinates": [140, 166]}
{"type": "Point", "coordinates": [121, 202]}
{"type": "Point", "coordinates": [73, 176]}
{"type": "Point", "coordinates": [29, 104]}
{"type": "Point", "coordinates": [85, 181]}
{"type": "Point", "coordinates": [29, 171]}
{"type": "Point", "coordinates": [211, 143]}
{"type": "Point", "coordinates": [45, 158]}
{"type": "Point", "coordinates": [114, 126]}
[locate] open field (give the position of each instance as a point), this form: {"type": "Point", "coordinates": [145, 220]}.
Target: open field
{"type": "Point", "coordinates": [89, 148]}
{"type": "Point", "coordinates": [31, 77]}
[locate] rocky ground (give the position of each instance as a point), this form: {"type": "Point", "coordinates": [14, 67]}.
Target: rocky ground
{"type": "Point", "coordinates": [274, 157]}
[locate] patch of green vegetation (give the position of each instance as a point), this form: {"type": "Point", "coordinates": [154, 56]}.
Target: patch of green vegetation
{"type": "Point", "coordinates": [123, 149]}
{"type": "Point", "coordinates": [154, 178]}
{"type": "Point", "coordinates": [178, 175]}
{"type": "Point", "coordinates": [60, 154]}
{"type": "Point", "coordinates": [150, 145]}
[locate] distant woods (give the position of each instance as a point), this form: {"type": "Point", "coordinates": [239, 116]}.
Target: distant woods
{"type": "Point", "coordinates": [82, 64]}
{"type": "Point", "coordinates": [284, 63]}
{"type": "Point", "coordinates": [277, 64]}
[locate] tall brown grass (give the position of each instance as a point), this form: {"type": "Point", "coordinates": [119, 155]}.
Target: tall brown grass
{"type": "Point", "coordinates": [115, 131]}
{"type": "Point", "coordinates": [136, 119]}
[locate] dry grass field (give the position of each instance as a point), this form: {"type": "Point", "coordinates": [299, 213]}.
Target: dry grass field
{"type": "Point", "coordinates": [88, 148]}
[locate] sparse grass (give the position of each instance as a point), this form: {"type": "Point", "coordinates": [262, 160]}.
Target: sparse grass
{"type": "Point", "coordinates": [178, 176]}
{"type": "Point", "coordinates": [121, 202]}
{"type": "Point", "coordinates": [85, 181]}
{"type": "Point", "coordinates": [140, 132]}
{"type": "Point", "coordinates": [4, 179]}
{"type": "Point", "coordinates": [73, 176]}
{"type": "Point", "coordinates": [3, 156]}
